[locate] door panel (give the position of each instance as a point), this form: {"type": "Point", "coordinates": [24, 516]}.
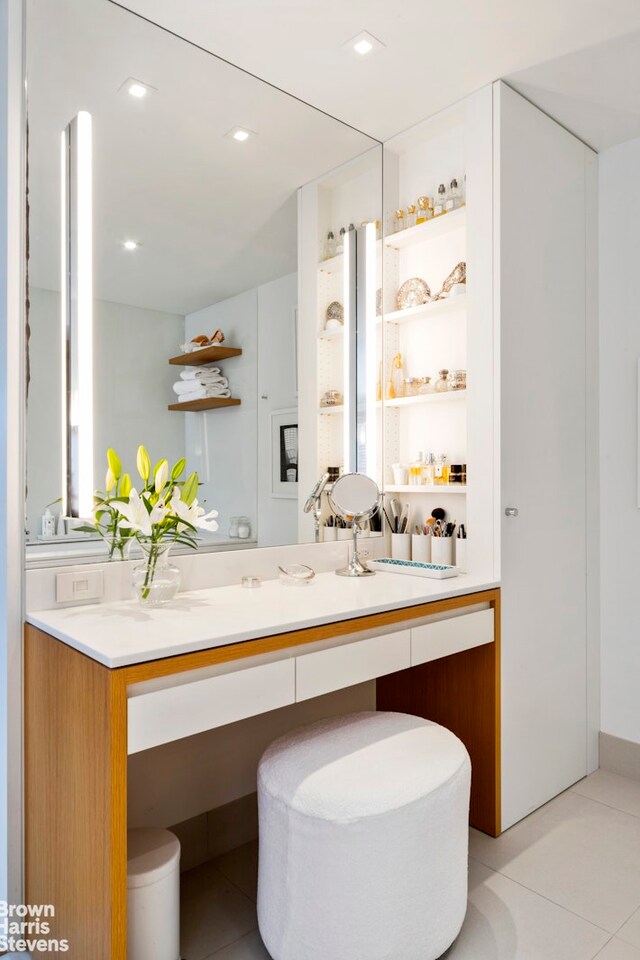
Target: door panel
{"type": "Point", "coordinates": [540, 230]}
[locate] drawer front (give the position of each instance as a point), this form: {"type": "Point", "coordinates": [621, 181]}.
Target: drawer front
{"type": "Point", "coordinates": [343, 666]}
{"type": "Point", "coordinates": [430, 641]}
{"type": "Point", "coordinates": [180, 711]}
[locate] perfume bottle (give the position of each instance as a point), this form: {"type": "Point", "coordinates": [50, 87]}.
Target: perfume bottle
{"type": "Point", "coordinates": [410, 386]}
{"type": "Point", "coordinates": [410, 219]}
{"type": "Point", "coordinates": [340, 241]}
{"type": "Point", "coordinates": [398, 222]}
{"type": "Point", "coordinates": [439, 203]}
{"type": "Point", "coordinates": [394, 385]}
{"type": "Point", "coordinates": [424, 386]}
{"type": "Point", "coordinates": [442, 383]}
{"type": "Point", "coordinates": [424, 211]}
{"type": "Point", "coordinates": [415, 470]}
{"type": "Point", "coordinates": [440, 470]}
{"type": "Point", "coordinates": [428, 470]}
{"type": "Point", "coordinates": [330, 246]}
{"type": "Point", "coordinates": [454, 198]}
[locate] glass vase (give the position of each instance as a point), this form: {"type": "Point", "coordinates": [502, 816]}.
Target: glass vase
{"type": "Point", "coordinates": [155, 580]}
{"type": "Point", "coordinates": [118, 546]}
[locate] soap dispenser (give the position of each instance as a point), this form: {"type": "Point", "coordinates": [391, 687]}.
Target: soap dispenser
{"type": "Point", "coordinates": [48, 523]}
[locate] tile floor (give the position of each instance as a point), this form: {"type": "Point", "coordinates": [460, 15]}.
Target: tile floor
{"type": "Point", "coordinates": [564, 884]}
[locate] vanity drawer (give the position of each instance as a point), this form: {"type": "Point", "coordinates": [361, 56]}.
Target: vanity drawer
{"type": "Point", "coordinates": [351, 663]}
{"type": "Point", "coordinates": [180, 711]}
{"type": "Point", "coordinates": [440, 638]}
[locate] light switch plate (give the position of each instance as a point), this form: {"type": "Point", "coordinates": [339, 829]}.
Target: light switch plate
{"type": "Point", "coordinates": [79, 587]}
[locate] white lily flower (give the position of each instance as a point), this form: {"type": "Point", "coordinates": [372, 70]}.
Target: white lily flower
{"type": "Point", "coordinates": [135, 512]}
{"type": "Point", "coordinates": [162, 476]}
{"type": "Point", "coordinates": [195, 515]}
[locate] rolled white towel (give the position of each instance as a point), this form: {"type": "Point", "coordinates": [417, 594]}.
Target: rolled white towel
{"type": "Point", "coordinates": [189, 386]}
{"type": "Point", "coordinates": [199, 373]}
{"type": "Point", "coordinates": [204, 393]}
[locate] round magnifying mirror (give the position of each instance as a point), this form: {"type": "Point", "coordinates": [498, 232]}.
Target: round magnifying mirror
{"type": "Point", "coordinates": [355, 497]}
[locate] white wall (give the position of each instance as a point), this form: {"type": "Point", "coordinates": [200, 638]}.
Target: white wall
{"type": "Point", "coordinates": [132, 381]}
{"type": "Point", "coordinates": [277, 301]}
{"type": "Point", "coordinates": [619, 514]}
{"type": "Point", "coordinates": [231, 447]}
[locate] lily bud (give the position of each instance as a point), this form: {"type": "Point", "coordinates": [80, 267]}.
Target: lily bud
{"type": "Point", "coordinates": [190, 489]}
{"type": "Point", "coordinates": [125, 485]}
{"type": "Point", "coordinates": [114, 463]}
{"type": "Point", "coordinates": [162, 475]}
{"type": "Point", "coordinates": [144, 463]}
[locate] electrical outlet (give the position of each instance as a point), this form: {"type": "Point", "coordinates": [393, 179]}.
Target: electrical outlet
{"type": "Point", "coordinates": [80, 586]}
{"type": "Point", "coordinates": [364, 551]}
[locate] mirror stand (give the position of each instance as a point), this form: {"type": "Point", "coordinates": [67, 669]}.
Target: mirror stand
{"type": "Point", "coordinates": [356, 567]}
{"type": "Point", "coordinates": [356, 498]}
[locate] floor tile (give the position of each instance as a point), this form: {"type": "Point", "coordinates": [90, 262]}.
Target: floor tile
{"type": "Point", "coordinates": [505, 921]}
{"type": "Point", "coordinates": [241, 867]}
{"type": "Point", "coordinates": [630, 931]}
{"type": "Point", "coordinates": [250, 947]}
{"type": "Point", "coordinates": [213, 913]}
{"type": "Point", "coordinates": [617, 950]}
{"type": "Point", "coordinates": [611, 789]}
{"type": "Point", "coordinates": [578, 853]}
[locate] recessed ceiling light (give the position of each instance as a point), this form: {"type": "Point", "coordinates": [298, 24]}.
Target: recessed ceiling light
{"type": "Point", "coordinates": [363, 44]}
{"type": "Point", "coordinates": [130, 244]}
{"type": "Point", "coordinates": [137, 88]}
{"type": "Point", "coordinates": [240, 134]}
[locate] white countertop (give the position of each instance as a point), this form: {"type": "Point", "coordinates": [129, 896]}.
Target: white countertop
{"type": "Point", "coordinates": [122, 633]}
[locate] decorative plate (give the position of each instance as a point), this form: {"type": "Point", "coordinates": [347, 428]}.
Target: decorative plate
{"type": "Point", "coordinates": [335, 311]}
{"type": "Point", "coordinates": [413, 293]}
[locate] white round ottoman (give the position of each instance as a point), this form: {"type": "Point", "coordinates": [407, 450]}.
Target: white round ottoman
{"type": "Point", "coordinates": [363, 840]}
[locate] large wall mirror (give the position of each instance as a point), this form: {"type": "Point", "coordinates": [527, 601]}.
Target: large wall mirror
{"type": "Point", "coordinates": [180, 196]}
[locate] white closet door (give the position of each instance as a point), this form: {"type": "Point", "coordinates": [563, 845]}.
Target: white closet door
{"type": "Point", "coordinates": [541, 223]}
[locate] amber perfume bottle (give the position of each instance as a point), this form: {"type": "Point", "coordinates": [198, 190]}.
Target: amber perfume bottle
{"type": "Point", "coordinates": [441, 470]}
{"type": "Point", "coordinates": [424, 211]}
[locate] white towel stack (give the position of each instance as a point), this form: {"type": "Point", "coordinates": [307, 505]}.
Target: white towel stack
{"type": "Point", "coordinates": [201, 383]}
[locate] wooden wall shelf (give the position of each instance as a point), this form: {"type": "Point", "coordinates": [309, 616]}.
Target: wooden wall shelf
{"type": "Point", "coordinates": [206, 355]}
{"type": "Point", "coordinates": [207, 403]}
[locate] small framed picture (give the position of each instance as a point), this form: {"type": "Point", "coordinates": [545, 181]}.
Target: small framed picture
{"type": "Point", "coordinates": [284, 453]}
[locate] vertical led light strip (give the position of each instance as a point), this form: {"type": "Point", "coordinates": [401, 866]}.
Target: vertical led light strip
{"type": "Point", "coordinates": [347, 296]}
{"type": "Point", "coordinates": [78, 271]}
{"type": "Point", "coordinates": [64, 319]}
{"type": "Point", "coordinates": [371, 360]}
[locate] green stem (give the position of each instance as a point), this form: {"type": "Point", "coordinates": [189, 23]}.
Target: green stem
{"type": "Point", "coordinates": [151, 570]}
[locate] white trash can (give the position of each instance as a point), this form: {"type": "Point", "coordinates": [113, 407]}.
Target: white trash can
{"type": "Point", "coordinates": [153, 894]}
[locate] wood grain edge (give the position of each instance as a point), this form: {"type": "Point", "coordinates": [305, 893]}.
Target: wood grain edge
{"type": "Point", "coordinates": [75, 796]}
{"type": "Point", "coordinates": [150, 670]}
{"type": "Point", "coordinates": [462, 692]}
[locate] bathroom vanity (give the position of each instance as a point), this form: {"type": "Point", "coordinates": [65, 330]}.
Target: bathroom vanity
{"type": "Point", "coordinates": [106, 681]}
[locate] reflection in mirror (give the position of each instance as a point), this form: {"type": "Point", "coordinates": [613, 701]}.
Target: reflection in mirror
{"type": "Point", "coordinates": [221, 315]}
{"type": "Point", "coordinates": [355, 498]}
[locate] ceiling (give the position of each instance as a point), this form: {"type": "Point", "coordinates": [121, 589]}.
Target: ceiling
{"type": "Point", "coordinates": [434, 54]}
{"type": "Point", "coordinates": [595, 93]}
{"type": "Point", "coordinates": [213, 216]}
